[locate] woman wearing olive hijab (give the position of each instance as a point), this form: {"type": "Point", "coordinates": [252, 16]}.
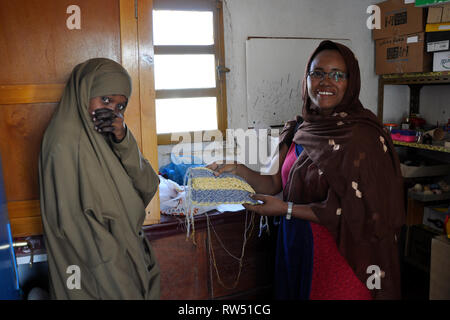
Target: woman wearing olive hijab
{"type": "Point", "coordinates": [94, 187]}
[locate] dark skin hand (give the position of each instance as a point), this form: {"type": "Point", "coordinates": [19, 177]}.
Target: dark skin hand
{"type": "Point", "coordinates": [272, 206]}
{"type": "Point", "coordinates": [107, 114]}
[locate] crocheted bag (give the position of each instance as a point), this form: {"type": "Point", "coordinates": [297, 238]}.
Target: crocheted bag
{"type": "Point", "coordinates": [208, 190]}
{"type": "Point", "coordinates": [205, 189]}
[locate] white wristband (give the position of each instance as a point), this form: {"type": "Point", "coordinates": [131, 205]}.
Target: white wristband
{"type": "Point", "coordinates": [289, 211]}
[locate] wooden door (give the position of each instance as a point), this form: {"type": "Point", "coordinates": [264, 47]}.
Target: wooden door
{"type": "Point", "coordinates": [38, 52]}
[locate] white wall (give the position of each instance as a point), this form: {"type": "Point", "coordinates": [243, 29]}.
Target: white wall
{"type": "Point", "coordinates": [396, 103]}
{"type": "Point", "coordinates": [435, 104]}
{"type": "Point", "coordinates": [345, 19]}
{"type": "Point", "coordinates": [294, 18]}
{"type": "Point", "coordinates": [313, 19]}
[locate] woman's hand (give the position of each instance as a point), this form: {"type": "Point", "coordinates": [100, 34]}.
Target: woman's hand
{"type": "Point", "coordinates": [271, 206]}
{"type": "Point", "coordinates": [220, 168]}
{"type": "Point", "coordinates": [106, 121]}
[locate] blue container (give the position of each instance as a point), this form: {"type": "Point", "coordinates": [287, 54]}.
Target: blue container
{"type": "Point", "coordinates": [9, 281]}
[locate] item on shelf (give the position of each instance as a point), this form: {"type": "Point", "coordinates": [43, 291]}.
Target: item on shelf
{"type": "Point", "coordinates": [405, 124]}
{"type": "Point", "coordinates": [399, 18]}
{"type": "Point", "coordinates": [428, 196]}
{"type": "Point", "coordinates": [419, 136]}
{"type": "Point", "coordinates": [427, 139]}
{"type": "Point", "coordinates": [428, 189]}
{"type": "Point", "coordinates": [436, 27]}
{"type": "Point", "coordinates": [434, 217]}
{"type": "Point", "coordinates": [404, 135]}
{"type": "Point", "coordinates": [416, 121]}
{"type": "Point", "coordinates": [441, 61]}
{"type": "Point", "coordinates": [390, 126]}
{"type": "Point", "coordinates": [446, 13]}
{"type": "Point", "coordinates": [438, 41]}
{"type": "Point", "coordinates": [418, 187]}
{"type": "Point", "coordinates": [438, 134]}
{"type": "Point", "coordinates": [402, 54]}
{"type": "Point", "coordinates": [434, 186]}
{"type": "Point", "coordinates": [434, 14]}
{"type": "Point", "coordinates": [428, 3]}
{"type": "Point", "coordinates": [444, 186]}
{"type": "Point", "coordinates": [439, 13]}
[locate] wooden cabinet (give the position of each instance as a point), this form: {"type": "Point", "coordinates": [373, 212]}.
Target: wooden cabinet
{"type": "Point", "coordinates": [187, 269]}
{"type": "Point", "coordinates": [191, 271]}
{"type": "Point", "coordinates": [38, 53]}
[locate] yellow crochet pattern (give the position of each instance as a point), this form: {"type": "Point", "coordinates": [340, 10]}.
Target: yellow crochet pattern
{"type": "Point", "coordinates": [224, 184]}
{"type": "Point", "coordinates": [208, 190]}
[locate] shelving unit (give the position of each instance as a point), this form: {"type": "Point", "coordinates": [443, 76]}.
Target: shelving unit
{"type": "Point", "coordinates": [417, 242]}
{"type": "Point", "coordinates": [422, 146]}
{"type": "Point", "coordinates": [415, 81]}
{"type": "Point", "coordinates": [428, 198]}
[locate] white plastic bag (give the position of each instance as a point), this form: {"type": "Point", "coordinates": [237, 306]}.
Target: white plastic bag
{"type": "Point", "coordinates": [172, 198]}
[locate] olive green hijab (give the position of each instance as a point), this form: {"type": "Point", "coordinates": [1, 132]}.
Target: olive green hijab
{"type": "Point", "coordinates": [92, 204]}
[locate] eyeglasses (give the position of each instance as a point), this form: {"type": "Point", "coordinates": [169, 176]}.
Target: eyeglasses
{"type": "Point", "coordinates": [335, 75]}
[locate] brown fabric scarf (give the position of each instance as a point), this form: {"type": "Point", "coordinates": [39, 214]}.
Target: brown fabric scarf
{"type": "Point", "coordinates": [364, 207]}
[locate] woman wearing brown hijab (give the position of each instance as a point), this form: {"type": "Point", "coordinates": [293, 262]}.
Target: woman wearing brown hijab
{"type": "Point", "coordinates": [342, 186]}
{"type": "Point", "coordinates": [94, 187]}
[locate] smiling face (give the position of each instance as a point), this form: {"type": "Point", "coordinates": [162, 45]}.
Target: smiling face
{"type": "Point", "coordinates": [327, 93]}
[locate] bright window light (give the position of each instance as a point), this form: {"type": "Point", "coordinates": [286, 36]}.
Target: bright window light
{"type": "Point", "coordinates": [192, 114]}
{"type": "Point", "coordinates": [182, 28]}
{"type": "Point", "coordinates": [184, 71]}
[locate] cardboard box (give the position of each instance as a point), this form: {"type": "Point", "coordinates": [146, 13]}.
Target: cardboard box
{"type": "Point", "coordinates": [446, 13]}
{"type": "Point", "coordinates": [440, 268]}
{"type": "Point", "coordinates": [438, 41]}
{"type": "Point", "coordinates": [418, 246]}
{"type": "Point", "coordinates": [434, 15]}
{"type": "Point", "coordinates": [399, 17]}
{"type": "Point", "coordinates": [434, 217]}
{"type": "Point", "coordinates": [435, 27]}
{"type": "Point", "coordinates": [427, 3]}
{"type": "Point", "coordinates": [402, 54]}
{"type": "Point", "coordinates": [439, 14]}
{"type": "Point", "coordinates": [441, 61]}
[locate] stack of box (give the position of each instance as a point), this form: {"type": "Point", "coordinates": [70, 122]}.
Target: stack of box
{"type": "Point", "coordinates": [400, 42]}
{"type": "Point", "coordinates": [438, 36]}
{"type": "Point", "coordinates": [434, 217]}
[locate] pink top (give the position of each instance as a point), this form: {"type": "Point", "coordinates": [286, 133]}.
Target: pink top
{"type": "Point", "coordinates": [332, 278]}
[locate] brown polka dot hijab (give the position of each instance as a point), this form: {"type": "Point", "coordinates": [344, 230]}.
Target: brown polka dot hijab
{"type": "Point", "coordinates": [356, 157]}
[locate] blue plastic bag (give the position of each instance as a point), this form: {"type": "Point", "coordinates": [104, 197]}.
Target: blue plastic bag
{"type": "Point", "coordinates": [176, 169]}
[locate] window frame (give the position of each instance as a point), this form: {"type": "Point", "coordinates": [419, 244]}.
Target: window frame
{"type": "Point", "coordinates": [214, 6]}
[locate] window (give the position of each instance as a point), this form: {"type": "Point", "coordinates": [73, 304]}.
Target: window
{"type": "Point", "coordinates": [189, 67]}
